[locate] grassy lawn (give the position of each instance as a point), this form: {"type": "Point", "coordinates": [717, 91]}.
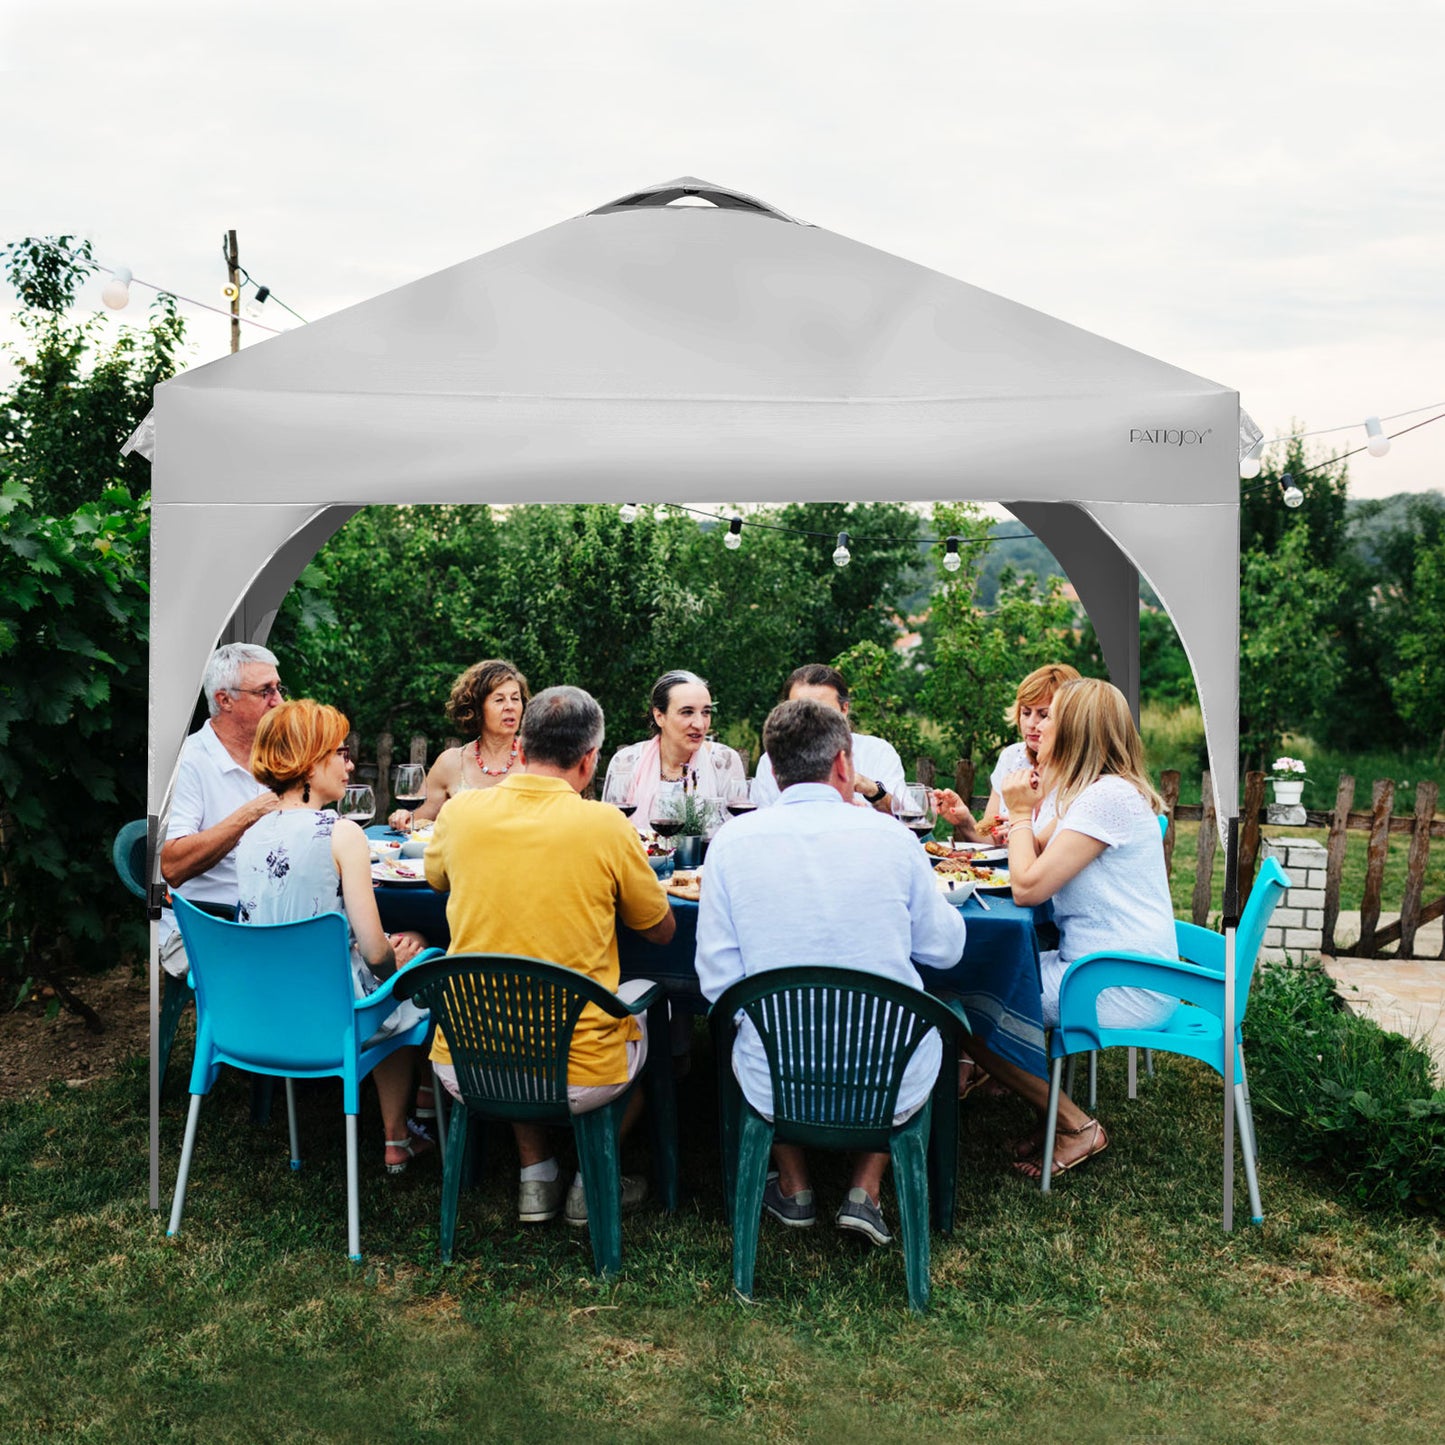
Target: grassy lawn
{"type": "Point", "coordinates": [1115, 1309]}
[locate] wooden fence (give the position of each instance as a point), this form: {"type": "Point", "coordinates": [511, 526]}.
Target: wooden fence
{"type": "Point", "coordinates": [1379, 823]}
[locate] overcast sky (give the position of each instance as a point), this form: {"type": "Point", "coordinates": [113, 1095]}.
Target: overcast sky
{"type": "Point", "coordinates": [1255, 193]}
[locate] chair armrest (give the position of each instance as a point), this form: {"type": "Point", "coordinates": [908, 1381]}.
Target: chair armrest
{"type": "Point", "coordinates": [426, 956]}
{"type": "Point", "coordinates": [371, 1010]}
{"type": "Point", "coordinates": [1086, 978]}
{"type": "Point", "coordinates": [642, 1002]}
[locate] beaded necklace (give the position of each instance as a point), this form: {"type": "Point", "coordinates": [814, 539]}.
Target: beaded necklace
{"type": "Point", "coordinates": [495, 772]}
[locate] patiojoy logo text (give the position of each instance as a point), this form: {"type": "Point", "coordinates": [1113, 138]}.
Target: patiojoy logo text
{"type": "Point", "coordinates": [1168, 436]}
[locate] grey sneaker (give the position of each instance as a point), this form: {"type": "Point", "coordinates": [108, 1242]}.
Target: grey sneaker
{"type": "Point", "coordinates": [539, 1200]}
{"type": "Point", "coordinates": [862, 1216]}
{"type": "Point", "coordinates": [794, 1210]}
{"type": "Point", "coordinates": [634, 1191]}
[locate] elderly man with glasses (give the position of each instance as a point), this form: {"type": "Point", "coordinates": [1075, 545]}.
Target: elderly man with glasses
{"type": "Point", "coordinates": [216, 799]}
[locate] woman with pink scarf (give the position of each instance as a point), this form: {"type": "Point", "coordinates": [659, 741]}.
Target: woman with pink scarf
{"type": "Point", "coordinates": [679, 756]}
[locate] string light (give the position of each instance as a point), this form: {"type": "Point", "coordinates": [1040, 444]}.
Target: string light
{"type": "Point", "coordinates": [1378, 443]}
{"type": "Point", "coordinates": [1293, 497]}
{"type": "Point", "coordinates": [841, 555]}
{"type": "Point", "coordinates": [627, 512]}
{"type": "Point", "coordinates": [116, 292]}
{"type": "Point", "coordinates": [1250, 464]}
{"type": "Point", "coordinates": [733, 539]}
{"type": "Point", "coordinates": [951, 560]}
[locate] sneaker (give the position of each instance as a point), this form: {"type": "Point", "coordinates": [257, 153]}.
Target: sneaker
{"type": "Point", "coordinates": [634, 1191]}
{"type": "Point", "coordinates": [794, 1210]}
{"type": "Point", "coordinates": [862, 1216]}
{"type": "Point", "coordinates": [539, 1200]}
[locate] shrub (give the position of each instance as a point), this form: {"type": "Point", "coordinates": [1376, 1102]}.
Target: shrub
{"type": "Point", "coordinates": [1360, 1101]}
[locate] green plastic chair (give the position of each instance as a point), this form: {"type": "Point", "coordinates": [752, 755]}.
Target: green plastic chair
{"type": "Point", "coordinates": [508, 1023]}
{"type": "Point", "coordinates": [843, 1099]}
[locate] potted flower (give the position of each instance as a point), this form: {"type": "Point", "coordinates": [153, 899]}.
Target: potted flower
{"type": "Point", "coordinates": [696, 819]}
{"type": "Point", "coordinates": [1287, 778]}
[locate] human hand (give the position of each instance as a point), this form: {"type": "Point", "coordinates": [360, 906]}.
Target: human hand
{"type": "Point", "coordinates": [405, 946]}
{"type": "Point", "coordinates": [400, 821]}
{"type": "Point", "coordinates": [262, 804]}
{"type": "Point", "coordinates": [950, 807]}
{"type": "Point", "coordinates": [1020, 792]}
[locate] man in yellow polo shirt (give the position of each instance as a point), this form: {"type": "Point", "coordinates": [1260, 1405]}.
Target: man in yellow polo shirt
{"type": "Point", "coordinates": [536, 869]}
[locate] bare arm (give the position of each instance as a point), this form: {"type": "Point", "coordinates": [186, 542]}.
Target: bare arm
{"type": "Point", "coordinates": [1034, 875]}
{"type": "Point", "coordinates": [661, 932]}
{"type": "Point", "coordinates": [185, 858]}
{"type": "Point", "coordinates": [952, 809]}
{"type": "Point", "coordinates": [352, 856]}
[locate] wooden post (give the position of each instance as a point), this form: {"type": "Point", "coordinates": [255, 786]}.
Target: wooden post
{"type": "Point", "coordinates": [1204, 867]}
{"type": "Point", "coordinates": [233, 264]}
{"type": "Point", "coordinates": [1169, 791]}
{"type": "Point", "coordinates": [1427, 795]}
{"type": "Point", "coordinates": [1335, 858]}
{"type": "Point", "coordinates": [418, 749]}
{"type": "Point", "coordinates": [963, 771]}
{"type": "Point", "coordinates": [384, 745]}
{"type": "Point", "coordinates": [925, 771]}
{"type": "Point", "coordinates": [1379, 845]}
{"type": "Point", "coordinates": [1249, 835]}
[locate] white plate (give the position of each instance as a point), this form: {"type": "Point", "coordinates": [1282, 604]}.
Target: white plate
{"type": "Point", "coordinates": [979, 852]}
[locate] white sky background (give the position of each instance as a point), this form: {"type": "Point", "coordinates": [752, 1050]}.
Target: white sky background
{"type": "Point", "coordinates": [1255, 193]}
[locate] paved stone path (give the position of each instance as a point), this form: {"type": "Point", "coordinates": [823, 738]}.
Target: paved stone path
{"type": "Point", "coordinates": [1406, 996]}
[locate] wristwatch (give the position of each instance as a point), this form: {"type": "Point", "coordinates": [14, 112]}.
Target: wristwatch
{"type": "Point", "coordinates": [877, 797]}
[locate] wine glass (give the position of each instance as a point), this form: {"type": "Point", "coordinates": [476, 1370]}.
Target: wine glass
{"type": "Point", "coordinates": [617, 789]}
{"type": "Point", "coordinates": [913, 807]}
{"type": "Point", "coordinates": [408, 785]}
{"type": "Point", "coordinates": [358, 803]}
{"type": "Point", "coordinates": [741, 798]}
{"type": "Point", "coordinates": [666, 819]}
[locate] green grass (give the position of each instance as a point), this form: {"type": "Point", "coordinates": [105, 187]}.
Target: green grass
{"type": "Point", "coordinates": [1116, 1308]}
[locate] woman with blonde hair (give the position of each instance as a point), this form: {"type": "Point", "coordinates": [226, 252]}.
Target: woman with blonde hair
{"type": "Point", "coordinates": [488, 699]}
{"type": "Point", "coordinates": [301, 860]}
{"type": "Point", "coordinates": [1102, 864]}
{"type": "Point", "coordinates": [1029, 708]}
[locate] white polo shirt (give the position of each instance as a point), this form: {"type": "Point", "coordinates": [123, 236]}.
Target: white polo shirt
{"type": "Point", "coordinates": [873, 757]}
{"type": "Point", "coordinates": [210, 786]}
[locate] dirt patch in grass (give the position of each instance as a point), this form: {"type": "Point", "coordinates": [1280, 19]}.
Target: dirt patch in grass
{"type": "Point", "coordinates": [37, 1050]}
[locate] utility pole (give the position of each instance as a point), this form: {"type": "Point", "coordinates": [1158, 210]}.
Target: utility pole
{"type": "Point", "coordinates": [233, 260]}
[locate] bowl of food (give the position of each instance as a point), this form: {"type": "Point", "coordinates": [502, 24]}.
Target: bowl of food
{"type": "Point", "coordinates": [384, 852]}
{"type": "Point", "coordinates": [414, 847]}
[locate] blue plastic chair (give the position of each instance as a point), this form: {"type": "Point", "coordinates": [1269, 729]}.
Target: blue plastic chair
{"type": "Point", "coordinates": [1197, 1032]}
{"type": "Point", "coordinates": [508, 1024]}
{"type": "Point", "coordinates": [276, 999]}
{"type": "Point", "coordinates": [844, 1097]}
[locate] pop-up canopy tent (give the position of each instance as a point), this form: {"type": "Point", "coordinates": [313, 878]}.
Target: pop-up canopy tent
{"type": "Point", "coordinates": [652, 351]}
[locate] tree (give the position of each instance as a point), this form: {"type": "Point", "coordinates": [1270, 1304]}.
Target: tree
{"type": "Point", "coordinates": [976, 658]}
{"type": "Point", "coordinates": [1418, 680]}
{"type": "Point", "coordinates": [1288, 659]}
{"type": "Point", "coordinates": [74, 613]}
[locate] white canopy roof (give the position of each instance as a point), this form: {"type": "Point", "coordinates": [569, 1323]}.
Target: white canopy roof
{"type": "Point", "coordinates": [654, 352]}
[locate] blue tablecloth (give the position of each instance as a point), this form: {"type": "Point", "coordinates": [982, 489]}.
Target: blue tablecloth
{"type": "Point", "coordinates": [997, 979]}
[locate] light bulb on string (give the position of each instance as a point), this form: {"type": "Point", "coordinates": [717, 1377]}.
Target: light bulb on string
{"type": "Point", "coordinates": [1293, 497]}
{"type": "Point", "coordinates": [734, 537]}
{"type": "Point", "coordinates": [1250, 463]}
{"type": "Point", "coordinates": [951, 560]}
{"type": "Point", "coordinates": [254, 305]}
{"type": "Point", "coordinates": [627, 512]}
{"type": "Point", "coordinates": [116, 292]}
{"type": "Point", "coordinates": [1378, 443]}
{"type": "Point", "coordinates": [841, 555]}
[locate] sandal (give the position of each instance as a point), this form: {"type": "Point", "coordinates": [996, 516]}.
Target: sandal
{"type": "Point", "coordinates": [412, 1147]}
{"type": "Point", "coordinates": [426, 1105]}
{"type": "Point", "coordinates": [971, 1075]}
{"type": "Point", "coordinates": [1034, 1169]}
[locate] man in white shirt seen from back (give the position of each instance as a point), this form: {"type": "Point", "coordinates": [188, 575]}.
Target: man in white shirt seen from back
{"type": "Point", "coordinates": [817, 881]}
{"type": "Point", "coordinates": [216, 799]}
{"type": "Point", "coordinates": [877, 768]}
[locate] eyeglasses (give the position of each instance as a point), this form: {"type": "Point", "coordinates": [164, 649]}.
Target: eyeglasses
{"type": "Point", "coordinates": [272, 689]}
{"type": "Point", "coordinates": [344, 753]}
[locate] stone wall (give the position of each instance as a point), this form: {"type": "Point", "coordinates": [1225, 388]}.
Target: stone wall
{"type": "Point", "coordinates": [1297, 928]}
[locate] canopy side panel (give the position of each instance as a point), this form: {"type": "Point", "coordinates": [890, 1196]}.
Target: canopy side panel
{"type": "Point", "coordinates": [1190, 556]}
{"type": "Point", "coordinates": [1105, 579]}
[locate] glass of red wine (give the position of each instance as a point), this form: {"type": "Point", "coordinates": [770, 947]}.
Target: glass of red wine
{"type": "Point", "coordinates": [740, 797]}
{"type": "Point", "coordinates": [913, 807]}
{"type": "Point", "coordinates": [617, 790]}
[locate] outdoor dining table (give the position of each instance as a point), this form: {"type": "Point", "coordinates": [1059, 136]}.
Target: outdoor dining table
{"type": "Point", "coordinates": [996, 979]}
